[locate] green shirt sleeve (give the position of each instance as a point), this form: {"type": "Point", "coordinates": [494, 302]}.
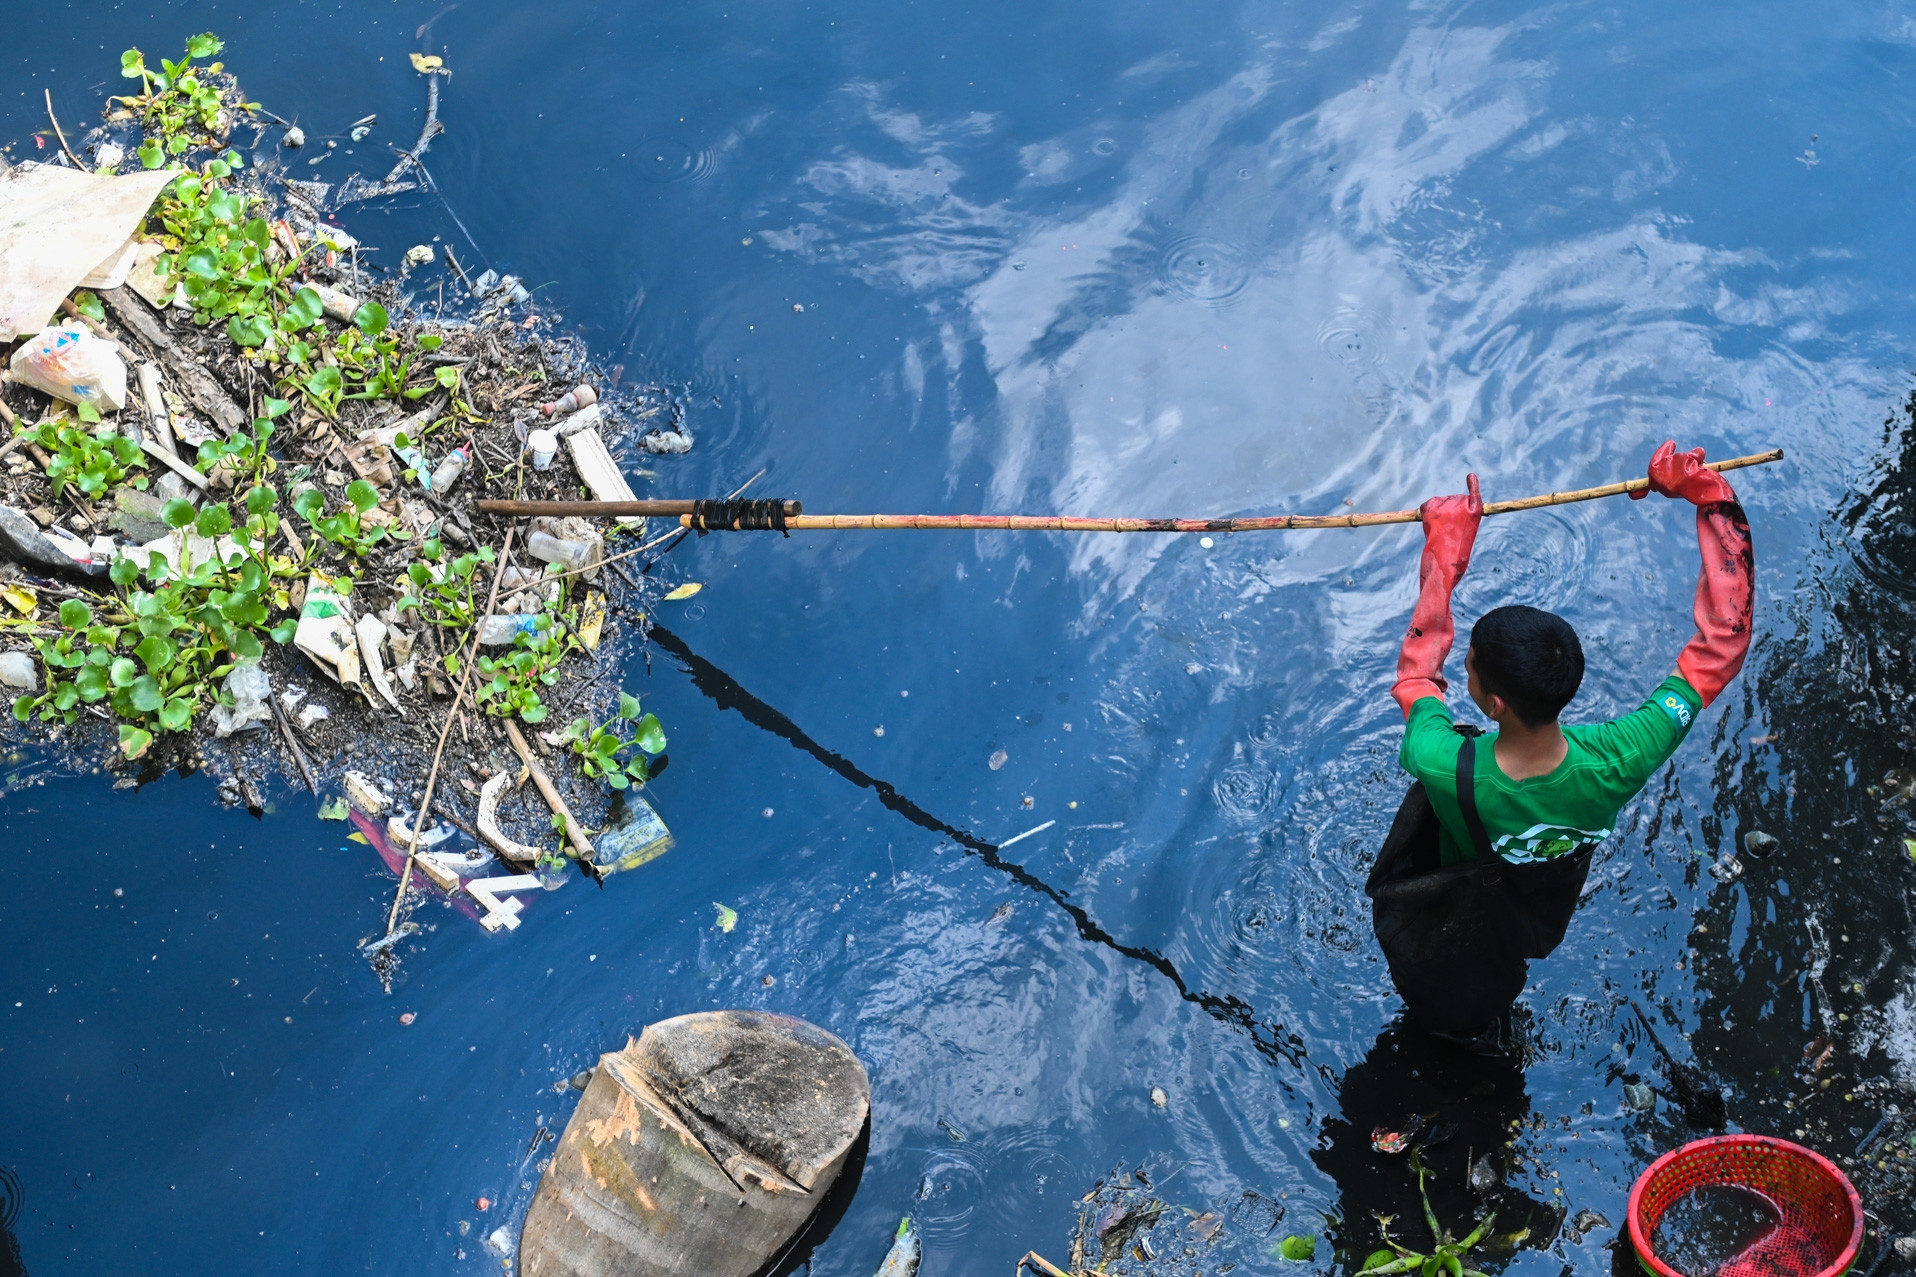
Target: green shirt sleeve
{"type": "Point", "coordinates": [1634, 746]}
{"type": "Point", "coordinates": [1429, 752]}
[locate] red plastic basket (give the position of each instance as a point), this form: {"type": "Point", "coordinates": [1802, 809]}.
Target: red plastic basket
{"type": "Point", "coordinates": [1822, 1217]}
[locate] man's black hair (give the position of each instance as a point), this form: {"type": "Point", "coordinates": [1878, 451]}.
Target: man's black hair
{"type": "Point", "coordinates": [1529, 657]}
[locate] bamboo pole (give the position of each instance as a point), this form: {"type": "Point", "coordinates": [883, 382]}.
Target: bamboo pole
{"type": "Point", "coordinates": [1271, 523]}
{"type": "Point", "coordinates": [796, 521]}
{"type": "Point", "coordinates": [598, 509]}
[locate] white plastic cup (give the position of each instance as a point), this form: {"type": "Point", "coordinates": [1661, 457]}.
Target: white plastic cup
{"type": "Point", "coordinates": [543, 444]}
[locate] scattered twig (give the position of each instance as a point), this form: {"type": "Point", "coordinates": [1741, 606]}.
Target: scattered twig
{"type": "Point", "coordinates": [432, 776]}
{"type": "Point", "coordinates": [62, 136]}
{"type": "Point", "coordinates": [1039, 1264]}
{"type": "Point", "coordinates": [299, 755]}
{"type": "Point", "coordinates": [99, 329]}
{"type": "Point", "coordinates": [431, 130]}
{"type": "Point", "coordinates": [548, 791]}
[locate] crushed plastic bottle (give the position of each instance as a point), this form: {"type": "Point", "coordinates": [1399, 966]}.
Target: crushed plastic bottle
{"type": "Point", "coordinates": [497, 630]}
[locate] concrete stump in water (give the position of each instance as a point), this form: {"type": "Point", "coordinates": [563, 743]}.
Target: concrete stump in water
{"type": "Point", "coordinates": [702, 1147]}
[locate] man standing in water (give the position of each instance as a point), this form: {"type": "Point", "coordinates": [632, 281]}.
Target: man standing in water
{"type": "Point", "coordinates": [1489, 853]}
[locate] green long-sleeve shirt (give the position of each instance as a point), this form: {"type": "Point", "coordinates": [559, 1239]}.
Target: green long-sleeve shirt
{"type": "Point", "coordinates": [1553, 814]}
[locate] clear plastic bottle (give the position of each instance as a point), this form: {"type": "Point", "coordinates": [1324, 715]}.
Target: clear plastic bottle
{"type": "Point", "coordinates": [449, 470]}
{"type": "Point", "coordinates": [570, 555]}
{"type": "Point", "coordinates": [498, 630]}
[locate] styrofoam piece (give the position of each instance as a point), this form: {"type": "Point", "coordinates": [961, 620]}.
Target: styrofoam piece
{"type": "Point", "coordinates": [601, 473]}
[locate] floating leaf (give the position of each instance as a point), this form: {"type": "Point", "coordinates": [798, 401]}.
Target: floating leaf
{"type": "Point", "coordinates": [727, 918]}
{"type": "Point", "coordinates": [334, 810]}
{"type": "Point", "coordinates": [356, 836]}
{"type": "Point", "coordinates": [134, 740]}
{"type": "Point", "coordinates": [685, 591]}
{"type": "Point", "coordinates": [23, 599]}
{"type": "Point", "coordinates": [1298, 1248]}
{"type": "Point", "coordinates": [424, 62]}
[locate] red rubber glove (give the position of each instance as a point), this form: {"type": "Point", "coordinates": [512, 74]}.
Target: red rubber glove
{"type": "Point", "coordinates": [1726, 584]}
{"type": "Point", "coordinates": [1450, 529]}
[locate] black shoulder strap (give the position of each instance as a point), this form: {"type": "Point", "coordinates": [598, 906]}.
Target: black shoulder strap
{"type": "Point", "coordinates": [1467, 799]}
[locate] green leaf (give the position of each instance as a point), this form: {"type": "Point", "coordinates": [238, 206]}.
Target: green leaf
{"type": "Point", "coordinates": [146, 694]}
{"type": "Point", "coordinates": [261, 499]}
{"type": "Point", "coordinates": [91, 683]}
{"type": "Point", "coordinates": [276, 408]}
{"type": "Point", "coordinates": [431, 341]}
{"type": "Point", "coordinates": [134, 740]}
{"type": "Point", "coordinates": [75, 615]}
{"type": "Point", "coordinates": [202, 263]}
{"type": "Point", "coordinates": [225, 205]}
{"type": "Point", "coordinates": [177, 714]}
{"type": "Point", "coordinates": [617, 780]}
{"type": "Point", "coordinates": [1297, 1248]}
{"type": "Point", "coordinates": [152, 155]}
{"type": "Point", "coordinates": [156, 652]}
{"type": "Point", "coordinates": [323, 382]}
{"type": "Point", "coordinates": [124, 571]}
{"type": "Point", "coordinates": [431, 549]}
{"type": "Point", "coordinates": [132, 64]}
{"type": "Point", "coordinates": [649, 735]}
{"type": "Point", "coordinates": [727, 917]}
{"type": "Point", "coordinates": [534, 713]}
{"type": "Point", "coordinates": [214, 521]}
{"type": "Point", "coordinates": [204, 45]}
{"type": "Point", "coordinates": [309, 503]}
{"type": "Point", "coordinates": [447, 377]}
{"type": "Point", "coordinates": [371, 319]}
{"type": "Point", "coordinates": [333, 810]}
{"type": "Point", "coordinates": [178, 512]}
{"type": "Point", "coordinates": [1379, 1258]}
{"type": "Point", "coordinates": [628, 706]}
{"type": "Point", "coordinates": [305, 310]}
{"type": "Point", "coordinates": [283, 632]}
{"type": "Point", "coordinates": [23, 707]}
{"type": "Point", "coordinates": [122, 672]}
{"type": "Point", "coordinates": [87, 413]}
{"type": "Point", "coordinates": [249, 331]}
{"type": "Point", "coordinates": [246, 644]}
{"type": "Point", "coordinates": [362, 494]}
{"type": "Point", "coordinates": [89, 305]}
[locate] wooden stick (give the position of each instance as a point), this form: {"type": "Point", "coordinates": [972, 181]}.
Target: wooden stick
{"type": "Point", "coordinates": [62, 136]}
{"type": "Point", "coordinates": [1043, 1265]}
{"type": "Point", "coordinates": [431, 130]}
{"type": "Point", "coordinates": [580, 843]}
{"type": "Point", "coordinates": [174, 464]}
{"type": "Point", "coordinates": [299, 755]}
{"type": "Point", "coordinates": [602, 509]}
{"type": "Point", "coordinates": [1272, 523]}
{"type": "Point", "coordinates": [432, 776]}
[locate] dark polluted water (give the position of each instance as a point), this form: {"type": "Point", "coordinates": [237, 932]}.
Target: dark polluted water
{"type": "Point", "coordinates": [1116, 259]}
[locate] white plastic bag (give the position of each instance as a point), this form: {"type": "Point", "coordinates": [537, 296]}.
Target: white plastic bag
{"type": "Point", "coordinates": [70, 363]}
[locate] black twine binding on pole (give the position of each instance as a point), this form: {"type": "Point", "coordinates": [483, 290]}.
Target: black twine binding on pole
{"type": "Point", "coordinates": [739, 516]}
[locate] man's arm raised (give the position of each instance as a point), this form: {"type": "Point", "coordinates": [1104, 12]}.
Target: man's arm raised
{"type": "Point", "coordinates": [1450, 529]}
{"type": "Point", "coordinates": [1726, 585]}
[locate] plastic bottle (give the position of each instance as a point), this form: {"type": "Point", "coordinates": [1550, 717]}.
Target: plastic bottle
{"type": "Point", "coordinates": [542, 443]}
{"type": "Point", "coordinates": [567, 554]}
{"type": "Point", "coordinates": [571, 401]}
{"type": "Point", "coordinates": [449, 470]}
{"type": "Point", "coordinates": [497, 630]}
